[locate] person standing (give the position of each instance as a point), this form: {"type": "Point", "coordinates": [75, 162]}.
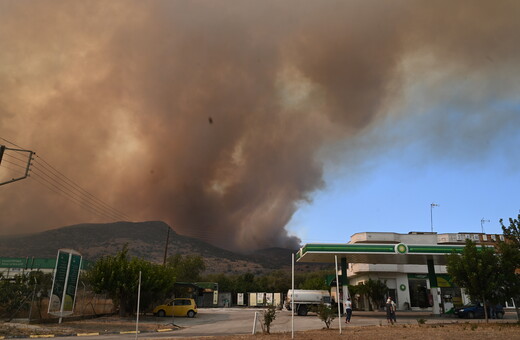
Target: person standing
{"type": "Point", "coordinates": [389, 311]}
{"type": "Point", "coordinates": [348, 309]}
{"type": "Point", "coordinates": [394, 309]}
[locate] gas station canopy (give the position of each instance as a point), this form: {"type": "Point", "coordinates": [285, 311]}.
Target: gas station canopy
{"type": "Point", "coordinates": [383, 253]}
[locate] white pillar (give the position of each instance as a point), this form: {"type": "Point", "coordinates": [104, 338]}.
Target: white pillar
{"type": "Point", "coordinates": [436, 300]}
{"type": "Point", "coordinates": [292, 298]}
{"type": "Point", "coordinates": [337, 293]}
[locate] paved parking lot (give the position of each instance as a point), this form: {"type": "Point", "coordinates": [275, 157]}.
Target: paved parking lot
{"type": "Point", "coordinates": [234, 321]}
{"type": "Point", "coordinates": [225, 321]}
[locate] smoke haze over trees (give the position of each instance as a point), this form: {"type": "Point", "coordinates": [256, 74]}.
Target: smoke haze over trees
{"type": "Point", "coordinates": [218, 117]}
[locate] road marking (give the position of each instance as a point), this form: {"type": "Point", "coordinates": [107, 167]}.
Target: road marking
{"type": "Point", "coordinates": [129, 332]}
{"type": "Point", "coordinates": [87, 334]}
{"type": "Point", "coordinates": [43, 336]}
{"type": "Point", "coordinates": [165, 330]}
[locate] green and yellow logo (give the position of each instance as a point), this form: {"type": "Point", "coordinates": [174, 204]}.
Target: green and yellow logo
{"type": "Point", "coordinates": [401, 248]}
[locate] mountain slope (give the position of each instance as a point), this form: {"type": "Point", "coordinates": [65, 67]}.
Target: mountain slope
{"type": "Point", "coordinates": [145, 240]}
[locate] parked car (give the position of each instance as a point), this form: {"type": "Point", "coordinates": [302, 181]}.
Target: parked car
{"type": "Point", "coordinates": [476, 310]}
{"type": "Point", "coordinates": [177, 307]}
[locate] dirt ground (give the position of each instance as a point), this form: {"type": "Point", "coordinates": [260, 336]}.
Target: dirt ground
{"type": "Point", "coordinates": [101, 325]}
{"type": "Point", "coordinates": [459, 331]}
{"type": "Point", "coordinates": [426, 332]}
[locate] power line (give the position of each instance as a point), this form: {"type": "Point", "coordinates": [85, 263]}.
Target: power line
{"type": "Point", "coordinates": [18, 159]}
{"type": "Point", "coordinates": [57, 173]}
{"type": "Point", "coordinates": [15, 164]}
{"type": "Point", "coordinates": [12, 169]}
{"type": "Point", "coordinates": [76, 191]}
{"type": "Point", "coordinates": [74, 195]}
{"type": "Point", "coordinates": [18, 146]}
{"type": "Point", "coordinates": [54, 180]}
{"type": "Point", "coordinates": [54, 188]}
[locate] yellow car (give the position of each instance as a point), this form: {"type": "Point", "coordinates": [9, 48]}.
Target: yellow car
{"type": "Point", "coordinates": [179, 307]}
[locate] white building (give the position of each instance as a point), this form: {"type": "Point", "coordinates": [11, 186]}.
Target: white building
{"type": "Point", "coordinates": [402, 261]}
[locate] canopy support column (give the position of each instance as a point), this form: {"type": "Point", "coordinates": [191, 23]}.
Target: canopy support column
{"type": "Point", "coordinates": [344, 279]}
{"type": "Point", "coordinates": [434, 288]}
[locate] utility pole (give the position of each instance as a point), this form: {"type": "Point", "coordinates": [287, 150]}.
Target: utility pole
{"type": "Point", "coordinates": [3, 148]}
{"type": "Point", "coordinates": [166, 246]}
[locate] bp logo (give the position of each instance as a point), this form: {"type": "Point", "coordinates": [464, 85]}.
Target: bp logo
{"type": "Point", "coordinates": [402, 287]}
{"type": "Point", "coordinates": [401, 248]}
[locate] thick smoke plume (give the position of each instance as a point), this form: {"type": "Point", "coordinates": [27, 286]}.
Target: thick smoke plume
{"type": "Point", "coordinates": [210, 115]}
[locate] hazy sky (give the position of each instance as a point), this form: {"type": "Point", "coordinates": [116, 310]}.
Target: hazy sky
{"type": "Point", "coordinates": [252, 124]}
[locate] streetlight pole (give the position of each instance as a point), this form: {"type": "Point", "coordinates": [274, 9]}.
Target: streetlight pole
{"type": "Point", "coordinates": [482, 224]}
{"type": "Point", "coordinates": [431, 214]}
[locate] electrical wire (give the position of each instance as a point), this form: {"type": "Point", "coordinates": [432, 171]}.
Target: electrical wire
{"type": "Point", "coordinates": [18, 146]}
{"type": "Point", "coordinates": [73, 195]}
{"type": "Point", "coordinates": [54, 180]}
{"type": "Point", "coordinates": [18, 159]}
{"type": "Point", "coordinates": [72, 189]}
{"type": "Point", "coordinates": [56, 189]}
{"type": "Point", "coordinates": [12, 169]}
{"type": "Point", "coordinates": [15, 164]}
{"type": "Point", "coordinates": [75, 186]}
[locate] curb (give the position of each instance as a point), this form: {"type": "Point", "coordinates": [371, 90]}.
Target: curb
{"type": "Point", "coordinates": [81, 334]}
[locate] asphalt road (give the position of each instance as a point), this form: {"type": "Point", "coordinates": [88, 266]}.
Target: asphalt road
{"type": "Point", "coordinates": [230, 321]}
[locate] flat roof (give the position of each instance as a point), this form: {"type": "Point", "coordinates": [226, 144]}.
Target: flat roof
{"type": "Point", "coordinates": [374, 253]}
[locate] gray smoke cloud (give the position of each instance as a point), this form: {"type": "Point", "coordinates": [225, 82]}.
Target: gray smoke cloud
{"type": "Point", "coordinates": [211, 115]}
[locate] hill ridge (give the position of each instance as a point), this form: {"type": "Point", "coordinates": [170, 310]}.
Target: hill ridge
{"type": "Point", "coordinates": [145, 240]}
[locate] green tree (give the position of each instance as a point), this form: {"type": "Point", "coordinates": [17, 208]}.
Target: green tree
{"type": "Point", "coordinates": [475, 269]}
{"type": "Point", "coordinates": [509, 258]}
{"type": "Point", "coordinates": [226, 283]}
{"type": "Point", "coordinates": [512, 232]}
{"type": "Point", "coordinates": [375, 290]}
{"type": "Point", "coordinates": [314, 280]}
{"type": "Point", "coordinates": [118, 277]}
{"type": "Point", "coordinates": [16, 293]}
{"type": "Point", "coordinates": [187, 268]}
{"type": "Point", "coordinates": [246, 283]}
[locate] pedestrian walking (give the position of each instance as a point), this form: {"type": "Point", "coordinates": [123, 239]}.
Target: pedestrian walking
{"type": "Point", "coordinates": [348, 309]}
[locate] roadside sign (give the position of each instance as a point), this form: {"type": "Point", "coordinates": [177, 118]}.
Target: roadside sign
{"type": "Point", "coordinates": [65, 283]}
{"type": "Point", "coordinates": [215, 297]}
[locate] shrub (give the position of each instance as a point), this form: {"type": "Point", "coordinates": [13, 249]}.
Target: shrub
{"type": "Point", "coordinates": [269, 317]}
{"type": "Point", "coordinates": [326, 314]}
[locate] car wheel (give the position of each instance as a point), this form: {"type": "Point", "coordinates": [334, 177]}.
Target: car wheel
{"type": "Point", "coordinates": [161, 313]}
{"type": "Point", "coordinates": [471, 315]}
{"type": "Point", "coordinates": [191, 314]}
{"type": "Point", "coordinates": [500, 315]}
{"type": "Point", "coordinates": [302, 311]}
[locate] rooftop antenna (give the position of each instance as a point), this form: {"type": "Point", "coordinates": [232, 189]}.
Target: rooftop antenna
{"type": "Point", "coordinates": [482, 221]}
{"type": "Point", "coordinates": [431, 214]}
